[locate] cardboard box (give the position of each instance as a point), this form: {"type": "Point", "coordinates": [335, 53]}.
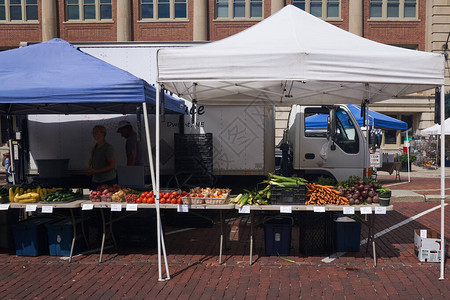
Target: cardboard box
{"type": "Point", "coordinates": [427, 245]}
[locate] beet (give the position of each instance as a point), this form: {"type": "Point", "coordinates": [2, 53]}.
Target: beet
{"type": "Point", "coordinates": [351, 201]}
{"type": "Point", "coordinates": [369, 200]}
{"type": "Point", "coordinates": [364, 193]}
{"type": "Point", "coordinates": [360, 187]}
{"type": "Point", "coordinates": [361, 199]}
{"type": "Point", "coordinates": [356, 201]}
{"type": "Point", "coordinates": [371, 193]}
{"type": "Point", "coordinates": [376, 199]}
{"type": "Point", "coordinates": [367, 187]}
{"type": "Point", "coordinates": [360, 182]}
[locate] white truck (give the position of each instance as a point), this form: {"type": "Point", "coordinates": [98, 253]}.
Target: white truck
{"type": "Point", "coordinates": [243, 136]}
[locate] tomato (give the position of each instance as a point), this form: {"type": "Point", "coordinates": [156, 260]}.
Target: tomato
{"type": "Point", "coordinates": [138, 200]}
{"type": "Point", "coordinates": [167, 195]}
{"type": "Point", "coordinates": [219, 193]}
{"type": "Point", "coordinates": [150, 194]}
{"type": "Point", "coordinates": [200, 195]}
{"type": "Point", "coordinates": [162, 200]}
{"type": "Point", "coordinates": [184, 193]}
{"type": "Point", "coordinates": [152, 200]}
{"type": "Point", "coordinates": [173, 201]}
{"type": "Point", "coordinates": [161, 195]}
{"type": "Point", "coordinates": [142, 194]}
{"type": "Point", "coordinates": [179, 201]}
{"type": "Point", "coordinates": [174, 193]}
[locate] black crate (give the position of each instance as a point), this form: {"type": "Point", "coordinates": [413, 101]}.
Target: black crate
{"type": "Point", "coordinates": [287, 195]}
{"type": "Point", "coordinates": [194, 153]}
{"type": "Point", "coordinates": [316, 233]}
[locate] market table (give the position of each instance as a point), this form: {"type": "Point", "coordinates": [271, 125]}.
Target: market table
{"type": "Point", "coordinates": [133, 207]}
{"type": "Point", "coordinates": [47, 207]}
{"type": "Point", "coordinates": [286, 209]}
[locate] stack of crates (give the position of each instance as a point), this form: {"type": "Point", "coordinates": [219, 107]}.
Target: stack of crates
{"type": "Point", "coordinates": [194, 154]}
{"type": "Point", "coordinates": [316, 233]}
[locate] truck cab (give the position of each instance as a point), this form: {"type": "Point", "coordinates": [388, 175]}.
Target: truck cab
{"type": "Point", "coordinates": [325, 141]}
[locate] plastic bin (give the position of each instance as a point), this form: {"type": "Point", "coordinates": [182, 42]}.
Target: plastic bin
{"type": "Point", "coordinates": [348, 234]}
{"type": "Point", "coordinates": [287, 195]}
{"type": "Point", "coordinates": [316, 235]}
{"type": "Point", "coordinates": [277, 236]}
{"type": "Point", "coordinates": [60, 235]}
{"type": "Point", "coordinates": [30, 237]}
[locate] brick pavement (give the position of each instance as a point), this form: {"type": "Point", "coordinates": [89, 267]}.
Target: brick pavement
{"type": "Point", "coordinates": [196, 274]}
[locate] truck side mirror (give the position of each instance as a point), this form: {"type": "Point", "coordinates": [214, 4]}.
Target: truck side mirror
{"type": "Point", "coordinates": [331, 125]}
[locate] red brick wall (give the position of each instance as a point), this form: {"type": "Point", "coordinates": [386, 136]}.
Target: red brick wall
{"type": "Point", "coordinates": [163, 31]}
{"type": "Point", "coordinates": [397, 32]}
{"type": "Point", "coordinates": [12, 34]}
{"type": "Point", "coordinates": [85, 31]}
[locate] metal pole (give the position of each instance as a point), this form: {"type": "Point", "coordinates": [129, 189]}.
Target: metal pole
{"type": "Point", "coordinates": [442, 111]}
{"type": "Point", "coordinates": [407, 151]}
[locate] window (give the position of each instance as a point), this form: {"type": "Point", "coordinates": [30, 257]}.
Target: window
{"type": "Point", "coordinates": [230, 9]}
{"type": "Point", "coordinates": [88, 10]}
{"type": "Point", "coordinates": [18, 10]}
{"type": "Point", "coordinates": [320, 8]}
{"type": "Point", "coordinates": [393, 9]}
{"type": "Point", "coordinates": [163, 9]}
{"type": "Point", "coordinates": [346, 137]}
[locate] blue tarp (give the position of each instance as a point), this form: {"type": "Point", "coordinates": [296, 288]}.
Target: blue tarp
{"type": "Point", "coordinates": [55, 76]}
{"type": "Point", "coordinates": [377, 120]}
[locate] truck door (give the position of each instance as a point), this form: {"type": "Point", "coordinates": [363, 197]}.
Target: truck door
{"type": "Point", "coordinates": [341, 156]}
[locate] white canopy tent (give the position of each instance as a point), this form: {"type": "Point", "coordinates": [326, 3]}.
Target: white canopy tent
{"type": "Point", "coordinates": [294, 57]}
{"type": "Point", "coordinates": [436, 129]}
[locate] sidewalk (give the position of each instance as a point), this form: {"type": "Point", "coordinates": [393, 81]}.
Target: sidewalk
{"type": "Point", "coordinates": [424, 185]}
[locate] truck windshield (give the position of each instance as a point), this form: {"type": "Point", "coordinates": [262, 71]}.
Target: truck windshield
{"type": "Point", "coordinates": [346, 136]}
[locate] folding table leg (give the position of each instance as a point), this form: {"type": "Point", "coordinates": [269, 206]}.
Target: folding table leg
{"type": "Point", "coordinates": [251, 236]}
{"type": "Point", "coordinates": [103, 236]}
{"type": "Point", "coordinates": [221, 236]}
{"type": "Point", "coordinates": [74, 234]}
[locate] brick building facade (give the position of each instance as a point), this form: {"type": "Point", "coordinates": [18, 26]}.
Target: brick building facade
{"type": "Point", "coordinates": [416, 24]}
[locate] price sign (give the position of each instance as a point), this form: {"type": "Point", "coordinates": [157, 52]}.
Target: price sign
{"type": "Point", "coordinates": [47, 209]}
{"type": "Point", "coordinates": [423, 233]}
{"type": "Point", "coordinates": [4, 206]}
{"type": "Point", "coordinates": [31, 208]}
{"type": "Point", "coordinates": [366, 210]}
{"type": "Point", "coordinates": [285, 209]}
{"type": "Point", "coordinates": [380, 210]}
{"type": "Point", "coordinates": [319, 209]}
{"type": "Point", "coordinates": [183, 208]}
{"type": "Point", "coordinates": [348, 210]}
{"type": "Point", "coordinates": [132, 207]}
{"type": "Point", "coordinates": [87, 206]}
{"type": "Point", "coordinates": [244, 209]}
{"type": "Point", "coordinates": [116, 207]}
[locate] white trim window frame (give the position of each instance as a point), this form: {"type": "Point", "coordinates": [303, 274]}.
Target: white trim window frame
{"type": "Point", "coordinates": [163, 10]}
{"type": "Point", "coordinates": [19, 11]}
{"type": "Point", "coordinates": [88, 10]}
{"type": "Point", "coordinates": [324, 9]}
{"type": "Point", "coordinates": [239, 9]}
{"type": "Point", "coordinates": [394, 9]}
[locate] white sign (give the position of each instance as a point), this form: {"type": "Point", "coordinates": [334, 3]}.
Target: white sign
{"type": "Point", "coordinates": [285, 209]}
{"type": "Point", "coordinates": [380, 210]}
{"type": "Point", "coordinates": [4, 206]}
{"type": "Point", "coordinates": [31, 207]}
{"type": "Point", "coordinates": [319, 209]}
{"type": "Point", "coordinates": [116, 207]}
{"type": "Point", "coordinates": [375, 158]}
{"type": "Point", "coordinates": [423, 233]}
{"type": "Point", "coordinates": [366, 210]}
{"type": "Point", "coordinates": [87, 206]}
{"type": "Point", "coordinates": [347, 210]}
{"type": "Point", "coordinates": [132, 207]}
{"type": "Point", "coordinates": [244, 209]}
{"type": "Point", "coordinates": [183, 208]}
{"type": "Point", "coordinates": [48, 209]}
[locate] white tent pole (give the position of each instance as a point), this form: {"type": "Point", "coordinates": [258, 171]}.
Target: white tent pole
{"type": "Point", "coordinates": [407, 151]}
{"type": "Point", "coordinates": [442, 111]}
{"type": "Point", "coordinates": [152, 175]}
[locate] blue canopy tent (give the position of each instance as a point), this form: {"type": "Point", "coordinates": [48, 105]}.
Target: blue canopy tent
{"type": "Point", "coordinates": [376, 119]}
{"type": "Point", "coordinates": [56, 77]}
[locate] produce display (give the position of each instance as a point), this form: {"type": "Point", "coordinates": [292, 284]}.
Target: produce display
{"type": "Point", "coordinates": [212, 196]}
{"type": "Point", "coordinates": [105, 193]}
{"type": "Point", "coordinates": [62, 196]}
{"type": "Point", "coordinates": [324, 194]}
{"type": "Point", "coordinates": [359, 191]}
{"type": "Point", "coordinates": [262, 197]}
{"type": "Point", "coordinates": [29, 193]}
